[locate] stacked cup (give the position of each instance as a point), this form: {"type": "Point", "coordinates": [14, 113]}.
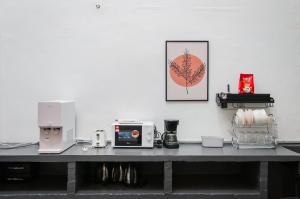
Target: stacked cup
{"type": "Point", "coordinates": [251, 117]}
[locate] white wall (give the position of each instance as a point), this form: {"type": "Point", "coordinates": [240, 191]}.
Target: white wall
{"type": "Point", "coordinates": [112, 60]}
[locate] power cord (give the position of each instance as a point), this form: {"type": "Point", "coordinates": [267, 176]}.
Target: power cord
{"type": "Point", "coordinates": [83, 141]}
{"type": "Point", "coordinates": [157, 138]}
{"type": "Point", "coordinates": [5, 145]}
{"type": "Point", "coordinates": [15, 145]}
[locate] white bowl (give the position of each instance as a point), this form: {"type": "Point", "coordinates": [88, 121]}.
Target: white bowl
{"type": "Point", "coordinates": [260, 117]}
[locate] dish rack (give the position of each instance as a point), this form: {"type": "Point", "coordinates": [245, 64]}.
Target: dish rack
{"type": "Point", "coordinates": [255, 136]}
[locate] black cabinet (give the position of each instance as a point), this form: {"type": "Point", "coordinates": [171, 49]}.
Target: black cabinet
{"type": "Point", "coordinates": [215, 177]}
{"type": "Point", "coordinates": [33, 177]}
{"type": "Point", "coordinates": [114, 177]}
{"type": "Point", "coordinates": [283, 181]}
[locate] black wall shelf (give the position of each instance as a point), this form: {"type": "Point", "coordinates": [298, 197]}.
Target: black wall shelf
{"type": "Point", "coordinates": [239, 100]}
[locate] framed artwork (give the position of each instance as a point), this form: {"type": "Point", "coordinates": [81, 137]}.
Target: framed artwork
{"type": "Point", "coordinates": [187, 70]}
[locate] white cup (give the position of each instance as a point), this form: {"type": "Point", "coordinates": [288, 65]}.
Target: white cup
{"type": "Point", "coordinates": [260, 117]}
{"type": "Point", "coordinates": [240, 117]}
{"type": "Point", "coordinates": [249, 117]}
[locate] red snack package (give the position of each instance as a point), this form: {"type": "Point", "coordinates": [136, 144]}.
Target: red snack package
{"type": "Point", "coordinates": [246, 84]}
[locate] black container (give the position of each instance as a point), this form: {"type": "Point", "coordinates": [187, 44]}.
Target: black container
{"type": "Point", "coordinates": [171, 125]}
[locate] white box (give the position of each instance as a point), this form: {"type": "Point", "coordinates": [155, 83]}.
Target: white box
{"type": "Point", "coordinates": [212, 141]}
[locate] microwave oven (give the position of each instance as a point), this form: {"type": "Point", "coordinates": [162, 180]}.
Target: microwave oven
{"type": "Point", "coordinates": [133, 134]}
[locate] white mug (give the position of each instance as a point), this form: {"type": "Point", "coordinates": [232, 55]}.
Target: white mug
{"type": "Point", "coordinates": [260, 117]}
{"type": "Point", "coordinates": [240, 117]}
{"type": "Point", "coordinates": [248, 117]}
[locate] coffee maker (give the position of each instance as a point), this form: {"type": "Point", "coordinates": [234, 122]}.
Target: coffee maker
{"type": "Point", "coordinates": [170, 135]}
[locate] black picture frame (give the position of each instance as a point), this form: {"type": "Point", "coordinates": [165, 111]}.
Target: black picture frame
{"type": "Point", "coordinates": [166, 70]}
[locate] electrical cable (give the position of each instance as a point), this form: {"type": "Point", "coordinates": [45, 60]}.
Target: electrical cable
{"type": "Point", "coordinates": [5, 145]}
{"type": "Point", "coordinates": [15, 145]}
{"type": "Point", "coordinates": [157, 138]}
{"type": "Point", "coordinates": [80, 141]}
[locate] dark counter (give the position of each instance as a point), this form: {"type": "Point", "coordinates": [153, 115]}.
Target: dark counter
{"type": "Point", "coordinates": [186, 152]}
